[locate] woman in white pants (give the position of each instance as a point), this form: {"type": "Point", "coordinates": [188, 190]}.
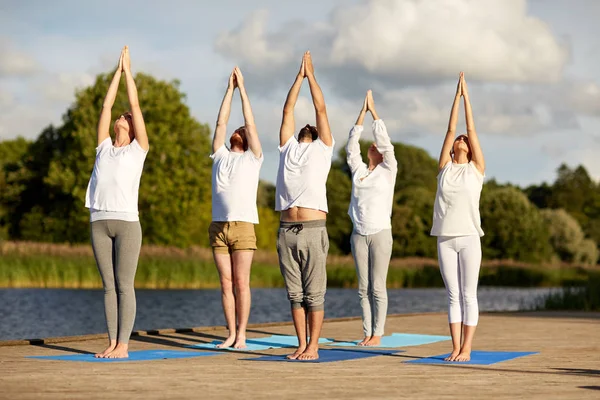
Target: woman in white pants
{"type": "Point", "coordinates": [457, 225]}
{"type": "Point", "coordinates": [370, 211]}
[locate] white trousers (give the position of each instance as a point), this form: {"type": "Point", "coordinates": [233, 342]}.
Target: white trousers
{"type": "Point", "coordinates": [460, 260]}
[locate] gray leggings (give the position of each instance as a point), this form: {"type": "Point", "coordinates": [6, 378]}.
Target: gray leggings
{"type": "Point", "coordinates": [372, 255]}
{"type": "Point", "coordinates": [116, 246]}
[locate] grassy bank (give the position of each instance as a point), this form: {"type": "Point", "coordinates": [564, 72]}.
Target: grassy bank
{"type": "Point", "coordinates": [37, 265]}
{"type": "Point", "coordinates": [580, 298]}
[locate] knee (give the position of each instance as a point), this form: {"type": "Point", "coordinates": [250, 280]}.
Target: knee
{"type": "Point", "coordinates": [126, 289]}
{"type": "Point", "coordinates": [380, 293]}
{"type": "Point", "coordinates": [454, 297]}
{"type": "Point", "coordinates": [242, 285]}
{"type": "Point", "coordinates": [109, 288]}
{"type": "Point", "coordinates": [470, 298]}
{"type": "Point", "coordinates": [315, 301]}
{"type": "Point", "coordinates": [363, 292]}
{"type": "Point", "coordinates": [296, 299]}
{"type": "Point", "coordinates": [226, 286]}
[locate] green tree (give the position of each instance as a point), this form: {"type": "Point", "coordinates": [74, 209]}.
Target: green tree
{"type": "Point", "coordinates": [567, 237]}
{"type": "Point", "coordinates": [576, 192]}
{"type": "Point", "coordinates": [411, 223]}
{"type": "Point", "coordinates": [514, 228]}
{"type": "Point", "coordinates": [174, 198]}
{"type": "Point", "coordinates": [339, 224]}
{"type": "Point", "coordinates": [11, 165]}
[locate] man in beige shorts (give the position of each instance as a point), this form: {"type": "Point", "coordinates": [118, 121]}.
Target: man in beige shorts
{"type": "Point", "coordinates": [235, 175]}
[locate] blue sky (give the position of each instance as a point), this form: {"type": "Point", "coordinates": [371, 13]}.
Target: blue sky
{"type": "Point", "coordinates": [533, 67]}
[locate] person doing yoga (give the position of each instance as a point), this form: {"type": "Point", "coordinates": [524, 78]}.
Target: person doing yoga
{"type": "Point", "coordinates": [302, 242]}
{"type": "Point", "coordinates": [370, 211]}
{"type": "Point", "coordinates": [235, 174]}
{"type": "Point", "coordinates": [457, 224]}
{"type": "Point", "coordinates": [112, 197]}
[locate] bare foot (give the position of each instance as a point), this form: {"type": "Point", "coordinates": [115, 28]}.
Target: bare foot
{"type": "Point", "coordinates": [119, 352]}
{"type": "Point", "coordinates": [309, 354]}
{"type": "Point", "coordinates": [453, 355]}
{"type": "Point", "coordinates": [465, 355]}
{"type": "Point", "coordinates": [374, 341]}
{"type": "Point", "coordinates": [297, 353]}
{"type": "Point", "coordinates": [240, 343]}
{"type": "Point", "coordinates": [110, 348]}
{"type": "Point", "coordinates": [364, 341]}
{"type": "Point", "coordinates": [227, 343]}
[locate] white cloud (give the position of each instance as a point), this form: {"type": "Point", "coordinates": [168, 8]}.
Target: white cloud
{"type": "Point", "coordinates": [251, 43]}
{"type": "Point", "coordinates": [14, 62]}
{"type": "Point", "coordinates": [400, 41]}
{"type": "Point", "coordinates": [584, 97]}
{"type": "Point", "coordinates": [61, 87]}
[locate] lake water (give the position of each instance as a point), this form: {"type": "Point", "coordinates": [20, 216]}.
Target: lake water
{"type": "Point", "coordinates": [40, 313]}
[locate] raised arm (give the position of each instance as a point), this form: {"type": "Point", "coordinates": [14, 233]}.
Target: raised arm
{"type": "Point", "coordinates": [353, 157]}
{"type": "Point", "coordinates": [223, 118]}
{"type": "Point", "coordinates": [109, 101]}
{"type": "Point", "coordinates": [476, 153]}
{"type": "Point", "coordinates": [382, 139]}
{"type": "Point", "coordinates": [136, 113]}
{"type": "Point", "coordinates": [251, 133]}
{"type": "Point", "coordinates": [318, 102]}
{"type": "Point", "coordinates": [445, 154]}
{"type": "Point", "coordinates": [288, 124]}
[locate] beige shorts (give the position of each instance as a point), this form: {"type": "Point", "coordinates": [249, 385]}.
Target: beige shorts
{"type": "Point", "coordinates": [227, 237]}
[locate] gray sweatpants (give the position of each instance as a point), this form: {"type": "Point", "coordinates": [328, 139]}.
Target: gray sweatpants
{"type": "Point", "coordinates": [116, 246]}
{"type": "Point", "coordinates": [302, 249]}
{"type": "Point", "coordinates": [372, 254]}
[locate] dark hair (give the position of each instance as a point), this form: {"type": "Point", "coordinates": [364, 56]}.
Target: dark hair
{"type": "Point", "coordinates": [470, 153]}
{"type": "Point", "coordinates": [308, 131]}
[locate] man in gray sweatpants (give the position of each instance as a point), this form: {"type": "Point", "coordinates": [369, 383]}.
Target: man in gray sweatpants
{"type": "Point", "coordinates": [302, 243]}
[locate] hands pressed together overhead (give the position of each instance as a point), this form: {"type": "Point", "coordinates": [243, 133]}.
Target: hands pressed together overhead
{"type": "Point", "coordinates": [306, 67]}
{"type": "Point", "coordinates": [124, 60]}
{"type": "Point", "coordinates": [461, 87]}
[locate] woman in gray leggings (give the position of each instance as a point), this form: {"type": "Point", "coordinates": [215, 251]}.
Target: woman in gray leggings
{"type": "Point", "coordinates": [370, 211]}
{"type": "Point", "coordinates": [112, 197]}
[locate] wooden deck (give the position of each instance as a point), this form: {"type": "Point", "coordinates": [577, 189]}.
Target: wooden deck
{"type": "Point", "coordinates": [568, 366]}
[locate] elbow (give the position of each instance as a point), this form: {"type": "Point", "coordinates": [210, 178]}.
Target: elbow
{"type": "Point", "coordinates": [320, 108]}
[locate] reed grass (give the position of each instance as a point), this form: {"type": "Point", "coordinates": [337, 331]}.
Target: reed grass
{"type": "Point", "coordinates": [42, 265]}
{"type": "Point", "coordinates": [580, 298]}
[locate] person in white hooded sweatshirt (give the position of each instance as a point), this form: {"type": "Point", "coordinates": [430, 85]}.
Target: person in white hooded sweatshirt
{"type": "Point", "coordinates": [371, 210]}
{"type": "Point", "coordinates": [457, 225]}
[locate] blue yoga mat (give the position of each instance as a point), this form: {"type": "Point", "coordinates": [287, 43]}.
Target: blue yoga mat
{"type": "Point", "coordinates": [142, 355]}
{"type": "Point", "coordinates": [398, 340]}
{"type": "Point", "coordinates": [257, 344]}
{"type": "Point", "coordinates": [331, 355]}
{"type": "Point", "coordinates": [477, 358]}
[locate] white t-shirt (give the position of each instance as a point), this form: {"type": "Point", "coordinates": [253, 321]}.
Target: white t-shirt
{"type": "Point", "coordinates": [372, 191]}
{"type": "Point", "coordinates": [302, 175]}
{"type": "Point", "coordinates": [456, 208]}
{"type": "Point", "coordinates": [112, 192]}
{"type": "Point", "coordinates": [234, 185]}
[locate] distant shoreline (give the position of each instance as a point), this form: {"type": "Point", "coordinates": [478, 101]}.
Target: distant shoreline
{"type": "Point", "coordinates": [46, 265]}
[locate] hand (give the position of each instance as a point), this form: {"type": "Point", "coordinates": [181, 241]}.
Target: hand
{"type": "Point", "coordinates": [302, 72]}
{"type": "Point", "coordinates": [232, 84]}
{"type": "Point", "coordinates": [459, 91]}
{"type": "Point", "coordinates": [126, 60]}
{"type": "Point", "coordinates": [238, 77]}
{"type": "Point", "coordinates": [463, 85]}
{"type": "Point", "coordinates": [308, 65]}
{"type": "Point", "coordinates": [370, 101]}
{"type": "Point", "coordinates": [365, 106]}
{"type": "Point", "coordinates": [120, 65]}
